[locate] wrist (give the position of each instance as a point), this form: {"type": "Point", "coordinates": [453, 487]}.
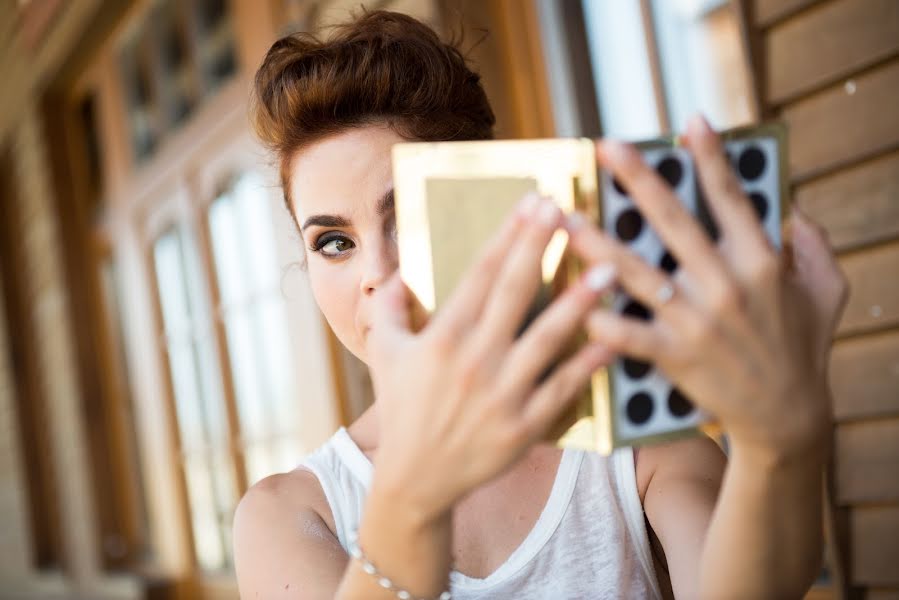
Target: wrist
{"type": "Point", "coordinates": [807, 453]}
{"type": "Point", "coordinates": [799, 432]}
{"type": "Point", "coordinates": [403, 499]}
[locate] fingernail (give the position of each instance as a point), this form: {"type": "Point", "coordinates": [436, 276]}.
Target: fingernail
{"type": "Point", "coordinates": [529, 203]}
{"type": "Point", "coordinates": [799, 213]}
{"type": "Point", "coordinates": [548, 212]}
{"type": "Point", "coordinates": [574, 221]}
{"type": "Point", "coordinates": [614, 151]}
{"type": "Point", "coordinates": [698, 125]}
{"type": "Point", "coordinates": [599, 277]}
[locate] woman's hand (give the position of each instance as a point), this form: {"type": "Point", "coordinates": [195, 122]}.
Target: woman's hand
{"type": "Point", "coordinates": [459, 401]}
{"type": "Point", "coordinates": [745, 334]}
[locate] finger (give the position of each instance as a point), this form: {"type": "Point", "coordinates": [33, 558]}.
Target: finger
{"type": "Point", "coordinates": [627, 336]}
{"type": "Point", "coordinates": [390, 313]}
{"type": "Point", "coordinates": [674, 225]}
{"type": "Point", "coordinates": [530, 356]}
{"type": "Point", "coordinates": [731, 208]}
{"type": "Point", "coordinates": [649, 285]}
{"type": "Point", "coordinates": [555, 394]}
{"type": "Point", "coordinates": [816, 268]}
{"type": "Point", "coordinates": [466, 302]}
{"type": "Point", "coordinates": [518, 280]}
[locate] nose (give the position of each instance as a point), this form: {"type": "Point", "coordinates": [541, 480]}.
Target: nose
{"type": "Point", "coordinates": [379, 265]}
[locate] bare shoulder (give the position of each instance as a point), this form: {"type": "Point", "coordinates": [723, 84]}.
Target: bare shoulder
{"type": "Point", "coordinates": [284, 542]}
{"type": "Point", "coordinates": [697, 458]}
{"type": "Point", "coordinates": [285, 493]}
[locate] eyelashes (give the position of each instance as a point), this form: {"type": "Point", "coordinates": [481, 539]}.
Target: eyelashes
{"type": "Point", "coordinates": [335, 244]}
{"type": "Point", "coordinates": [329, 245]}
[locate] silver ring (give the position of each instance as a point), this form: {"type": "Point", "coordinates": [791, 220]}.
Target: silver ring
{"type": "Point", "coordinates": [665, 293]}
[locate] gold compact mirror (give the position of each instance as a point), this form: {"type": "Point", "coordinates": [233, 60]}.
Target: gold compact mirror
{"type": "Point", "coordinates": [451, 197]}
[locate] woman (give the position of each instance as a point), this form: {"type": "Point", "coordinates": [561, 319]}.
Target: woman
{"type": "Point", "coordinates": [443, 477]}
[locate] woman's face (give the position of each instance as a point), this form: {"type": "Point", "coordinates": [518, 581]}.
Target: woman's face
{"type": "Point", "coordinates": [342, 191]}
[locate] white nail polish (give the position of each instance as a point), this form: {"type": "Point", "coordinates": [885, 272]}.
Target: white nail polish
{"type": "Point", "coordinates": [548, 212]}
{"type": "Point", "coordinates": [615, 151]}
{"type": "Point", "coordinates": [575, 221]}
{"type": "Point", "coordinates": [599, 277]}
{"type": "Point", "coordinates": [529, 203]}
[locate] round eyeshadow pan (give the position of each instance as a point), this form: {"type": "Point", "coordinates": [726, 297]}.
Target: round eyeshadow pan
{"type": "Point", "coordinates": [637, 311]}
{"type": "Point", "coordinates": [635, 369]}
{"type": "Point", "coordinates": [760, 204]}
{"type": "Point", "coordinates": [668, 263]}
{"type": "Point", "coordinates": [629, 224]}
{"type": "Point", "coordinates": [671, 170]}
{"type": "Point", "coordinates": [678, 404]}
{"type": "Point", "coordinates": [752, 163]}
{"type": "Point", "coordinates": [639, 408]}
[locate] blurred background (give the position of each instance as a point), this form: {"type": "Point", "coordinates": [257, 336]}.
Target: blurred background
{"type": "Point", "coordinates": [159, 347]}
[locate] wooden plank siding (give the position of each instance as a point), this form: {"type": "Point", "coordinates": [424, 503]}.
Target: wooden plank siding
{"type": "Point", "coordinates": [864, 376]}
{"type": "Point", "coordinates": [829, 42]}
{"type": "Point", "coordinates": [768, 12]}
{"type": "Point", "coordinates": [867, 462]}
{"type": "Point", "coordinates": [830, 70]}
{"type": "Point", "coordinates": [874, 279]}
{"type": "Point", "coordinates": [843, 125]}
{"type": "Point", "coordinates": [857, 206]}
{"type": "Point", "coordinates": [875, 546]}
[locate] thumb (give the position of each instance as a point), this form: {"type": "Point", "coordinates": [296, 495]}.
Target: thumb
{"type": "Point", "coordinates": [816, 269]}
{"type": "Point", "coordinates": [390, 312]}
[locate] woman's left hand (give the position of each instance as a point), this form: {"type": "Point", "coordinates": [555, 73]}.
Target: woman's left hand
{"type": "Point", "coordinates": [747, 331]}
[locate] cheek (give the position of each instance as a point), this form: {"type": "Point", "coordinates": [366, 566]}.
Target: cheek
{"type": "Point", "coordinates": [336, 293]}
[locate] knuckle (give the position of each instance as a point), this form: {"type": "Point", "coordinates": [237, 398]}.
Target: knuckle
{"type": "Point", "coordinates": [698, 333]}
{"type": "Point", "coordinates": [726, 301]}
{"type": "Point", "coordinates": [607, 332]}
{"type": "Point", "coordinates": [468, 370]}
{"type": "Point", "coordinates": [516, 434]}
{"type": "Point", "coordinates": [491, 261]}
{"type": "Point", "coordinates": [731, 186]}
{"type": "Point", "coordinates": [766, 271]}
{"type": "Point", "coordinates": [442, 340]}
{"type": "Point", "coordinates": [546, 335]}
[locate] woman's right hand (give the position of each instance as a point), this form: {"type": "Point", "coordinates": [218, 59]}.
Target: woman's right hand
{"type": "Point", "coordinates": [462, 399]}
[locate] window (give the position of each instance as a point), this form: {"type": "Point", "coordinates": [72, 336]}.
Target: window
{"type": "Point", "coordinates": [703, 64]}
{"type": "Point", "coordinates": [176, 58]}
{"type": "Point", "coordinates": [654, 63]}
{"type": "Point", "coordinates": [196, 386]}
{"type": "Point", "coordinates": [253, 309]}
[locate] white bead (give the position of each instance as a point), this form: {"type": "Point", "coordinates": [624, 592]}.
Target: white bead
{"type": "Point", "coordinates": [385, 583]}
{"type": "Point", "coordinates": [445, 596]}
{"type": "Point", "coordinates": [369, 568]}
{"type": "Point", "coordinates": [403, 595]}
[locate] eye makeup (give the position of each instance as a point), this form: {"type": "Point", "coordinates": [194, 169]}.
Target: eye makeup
{"type": "Point", "coordinates": [332, 239]}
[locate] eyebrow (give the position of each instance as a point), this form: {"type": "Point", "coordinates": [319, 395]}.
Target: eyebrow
{"type": "Point", "coordinates": [385, 205]}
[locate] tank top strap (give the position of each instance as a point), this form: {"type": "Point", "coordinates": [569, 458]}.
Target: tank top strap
{"type": "Point", "coordinates": [344, 474]}
{"type": "Point", "coordinates": [625, 474]}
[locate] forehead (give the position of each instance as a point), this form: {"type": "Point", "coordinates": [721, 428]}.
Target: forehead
{"type": "Point", "coordinates": [343, 171]}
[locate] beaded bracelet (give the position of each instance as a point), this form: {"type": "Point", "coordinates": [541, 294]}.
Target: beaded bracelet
{"type": "Point", "coordinates": [384, 582]}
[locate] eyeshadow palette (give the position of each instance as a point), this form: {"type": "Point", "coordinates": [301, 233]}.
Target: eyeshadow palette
{"type": "Point", "coordinates": [452, 196]}
{"type": "Point", "coordinates": [644, 406]}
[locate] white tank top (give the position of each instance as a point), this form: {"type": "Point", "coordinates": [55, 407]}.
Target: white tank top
{"type": "Point", "coordinates": [590, 540]}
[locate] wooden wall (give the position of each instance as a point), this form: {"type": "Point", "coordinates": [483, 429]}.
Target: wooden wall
{"type": "Point", "coordinates": [830, 69]}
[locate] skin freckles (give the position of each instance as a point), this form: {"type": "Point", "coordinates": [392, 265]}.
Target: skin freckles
{"type": "Point", "coordinates": [348, 178]}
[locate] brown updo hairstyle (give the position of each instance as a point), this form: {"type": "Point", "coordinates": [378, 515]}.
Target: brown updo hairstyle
{"type": "Point", "coordinates": [382, 67]}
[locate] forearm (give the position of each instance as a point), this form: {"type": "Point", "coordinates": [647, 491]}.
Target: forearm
{"type": "Point", "coordinates": [410, 548]}
{"type": "Point", "coordinates": [765, 537]}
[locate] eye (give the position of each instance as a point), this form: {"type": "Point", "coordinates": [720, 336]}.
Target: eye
{"type": "Point", "coordinates": [332, 245]}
